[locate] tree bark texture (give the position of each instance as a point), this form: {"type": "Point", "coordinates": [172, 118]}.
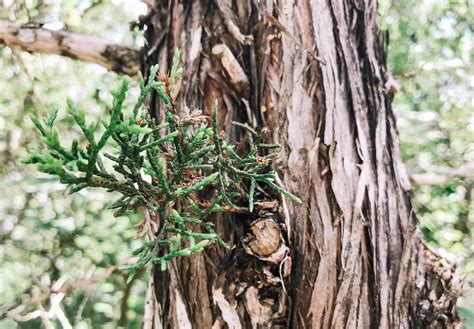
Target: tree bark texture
{"type": "Point", "coordinates": [312, 73]}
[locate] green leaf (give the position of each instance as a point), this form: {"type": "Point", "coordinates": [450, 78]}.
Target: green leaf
{"type": "Point", "coordinates": [50, 121]}
{"type": "Point", "coordinates": [282, 191]}
{"type": "Point", "coordinates": [175, 69]}
{"type": "Point", "coordinates": [38, 125]}
{"type": "Point", "coordinates": [180, 192]}
{"type": "Point", "coordinates": [246, 127]}
{"type": "Point", "coordinates": [160, 141]}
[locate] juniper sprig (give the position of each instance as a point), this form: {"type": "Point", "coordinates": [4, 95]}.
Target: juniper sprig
{"type": "Point", "coordinates": [182, 155]}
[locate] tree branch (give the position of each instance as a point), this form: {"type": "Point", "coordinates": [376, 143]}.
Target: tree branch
{"type": "Point", "coordinates": [124, 302]}
{"type": "Point", "coordinates": [465, 170]}
{"type": "Point", "coordinates": [34, 38]}
{"type": "Point", "coordinates": [61, 287]}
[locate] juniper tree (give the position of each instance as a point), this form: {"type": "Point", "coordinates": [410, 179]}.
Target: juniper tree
{"type": "Point", "coordinates": [160, 168]}
{"type": "Point", "coordinates": [314, 74]}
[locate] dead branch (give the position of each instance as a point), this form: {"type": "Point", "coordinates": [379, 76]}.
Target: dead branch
{"type": "Point", "coordinates": [88, 48]}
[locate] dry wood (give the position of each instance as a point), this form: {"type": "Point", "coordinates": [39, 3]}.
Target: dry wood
{"type": "Point", "coordinates": [317, 81]}
{"type": "Point", "coordinates": [34, 38]}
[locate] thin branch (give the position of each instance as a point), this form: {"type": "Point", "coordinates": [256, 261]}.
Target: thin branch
{"type": "Point", "coordinates": [36, 39]}
{"type": "Point", "coordinates": [466, 170]}
{"type": "Point", "coordinates": [34, 92]}
{"type": "Point", "coordinates": [408, 74]}
{"type": "Point", "coordinates": [62, 287]}
{"type": "Point", "coordinates": [124, 302]}
{"type": "Point", "coordinates": [55, 312]}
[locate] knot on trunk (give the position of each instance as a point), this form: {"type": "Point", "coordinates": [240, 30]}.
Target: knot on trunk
{"type": "Point", "coordinates": [265, 240]}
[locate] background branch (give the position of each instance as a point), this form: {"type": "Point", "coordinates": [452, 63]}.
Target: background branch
{"type": "Point", "coordinates": [61, 287]}
{"type": "Point", "coordinates": [35, 38]}
{"type": "Point", "coordinates": [466, 170]}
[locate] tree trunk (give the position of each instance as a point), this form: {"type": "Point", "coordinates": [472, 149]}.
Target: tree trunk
{"type": "Point", "coordinates": [312, 73]}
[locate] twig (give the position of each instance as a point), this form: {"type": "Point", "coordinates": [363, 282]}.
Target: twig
{"type": "Point", "coordinates": [60, 287]}
{"type": "Point", "coordinates": [124, 301]}
{"type": "Point", "coordinates": [466, 170]}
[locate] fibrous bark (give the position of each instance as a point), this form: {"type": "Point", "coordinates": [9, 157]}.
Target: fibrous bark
{"type": "Point", "coordinates": [34, 38]}
{"type": "Point", "coordinates": [313, 74]}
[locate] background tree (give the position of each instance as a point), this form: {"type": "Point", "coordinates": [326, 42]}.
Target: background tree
{"type": "Point", "coordinates": [288, 99]}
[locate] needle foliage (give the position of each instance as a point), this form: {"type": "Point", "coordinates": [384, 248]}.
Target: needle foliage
{"type": "Point", "coordinates": [159, 168]}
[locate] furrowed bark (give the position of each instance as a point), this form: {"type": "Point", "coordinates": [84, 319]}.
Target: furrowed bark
{"type": "Point", "coordinates": [84, 47]}
{"type": "Point", "coordinates": [313, 74]}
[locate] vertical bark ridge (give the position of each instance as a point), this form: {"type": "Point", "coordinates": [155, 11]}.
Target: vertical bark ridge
{"type": "Point", "coordinates": [313, 73]}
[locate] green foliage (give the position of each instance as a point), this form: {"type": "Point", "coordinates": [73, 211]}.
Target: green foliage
{"type": "Point", "coordinates": [431, 54]}
{"type": "Point", "coordinates": [182, 157]}
{"type": "Point", "coordinates": [45, 234]}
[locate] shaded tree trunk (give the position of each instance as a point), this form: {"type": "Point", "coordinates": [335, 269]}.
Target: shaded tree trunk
{"type": "Point", "coordinates": [313, 74]}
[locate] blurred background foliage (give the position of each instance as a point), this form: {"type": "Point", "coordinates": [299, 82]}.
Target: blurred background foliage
{"type": "Point", "coordinates": [430, 54]}
{"type": "Point", "coordinates": [48, 236]}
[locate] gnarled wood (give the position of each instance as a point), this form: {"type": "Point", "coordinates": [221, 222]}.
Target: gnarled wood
{"type": "Point", "coordinates": [34, 38]}
{"type": "Point", "coordinates": [316, 81]}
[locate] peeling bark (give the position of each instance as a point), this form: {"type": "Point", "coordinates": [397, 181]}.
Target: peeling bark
{"type": "Point", "coordinates": [88, 48]}
{"type": "Point", "coordinates": [313, 74]}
